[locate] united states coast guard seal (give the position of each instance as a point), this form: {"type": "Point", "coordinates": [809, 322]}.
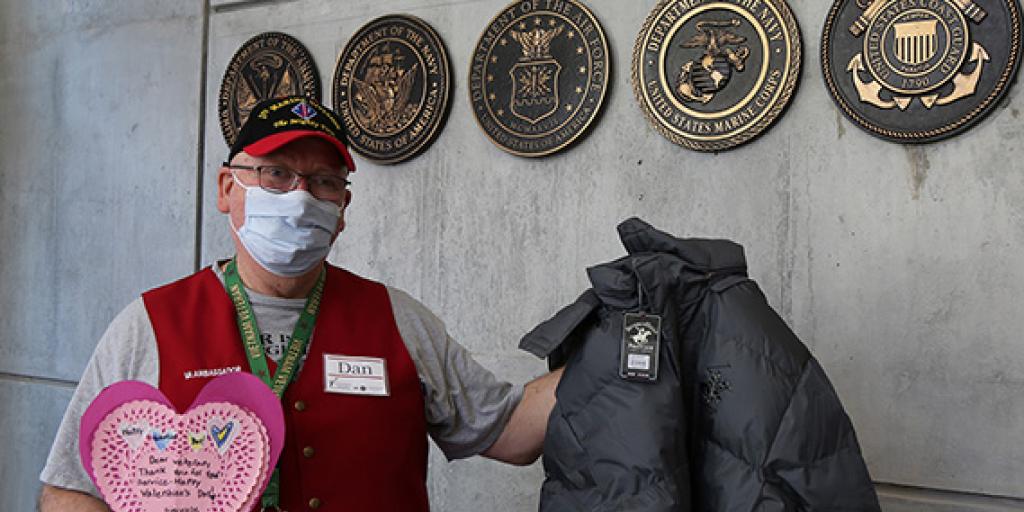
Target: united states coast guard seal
{"type": "Point", "coordinates": [391, 88]}
{"type": "Point", "coordinates": [270, 65]}
{"type": "Point", "coordinates": [713, 74]}
{"type": "Point", "coordinates": [538, 75]}
{"type": "Point", "coordinates": [920, 70]}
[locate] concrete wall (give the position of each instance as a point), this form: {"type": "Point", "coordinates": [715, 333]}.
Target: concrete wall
{"type": "Point", "coordinates": [899, 266]}
{"type": "Point", "coordinates": [98, 172]}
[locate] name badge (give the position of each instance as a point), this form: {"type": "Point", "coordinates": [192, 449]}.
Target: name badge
{"type": "Point", "coordinates": [354, 375]}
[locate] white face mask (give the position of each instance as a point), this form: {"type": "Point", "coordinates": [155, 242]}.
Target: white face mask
{"type": "Point", "coordinates": [287, 234]}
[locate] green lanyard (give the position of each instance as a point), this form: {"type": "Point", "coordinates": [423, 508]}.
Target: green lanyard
{"type": "Point", "coordinates": [253, 346]}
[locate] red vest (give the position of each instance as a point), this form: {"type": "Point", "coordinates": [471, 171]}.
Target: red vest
{"type": "Point", "coordinates": [341, 452]}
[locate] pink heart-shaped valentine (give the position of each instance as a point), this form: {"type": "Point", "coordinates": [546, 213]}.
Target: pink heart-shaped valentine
{"type": "Point", "coordinates": [216, 456]}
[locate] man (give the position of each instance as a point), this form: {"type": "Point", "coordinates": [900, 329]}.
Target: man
{"type": "Point", "coordinates": [278, 310]}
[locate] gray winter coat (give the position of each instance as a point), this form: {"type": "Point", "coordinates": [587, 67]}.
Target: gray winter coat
{"type": "Point", "coordinates": [740, 418]}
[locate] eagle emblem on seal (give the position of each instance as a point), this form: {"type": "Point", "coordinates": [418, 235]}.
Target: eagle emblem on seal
{"type": "Point", "coordinates": [382, 97]}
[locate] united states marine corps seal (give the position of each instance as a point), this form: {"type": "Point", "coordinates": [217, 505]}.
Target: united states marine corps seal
{"type": "Point", "coordinates": [391, 88]}
{"type": "Point", "coordinates": [538, 75]}
{"type": "Point", "coordinates": [713, 74]}
{"type": "Point", "coordinates": [269, 65]}
{"type": "Point", "coordinates": [920, 70]}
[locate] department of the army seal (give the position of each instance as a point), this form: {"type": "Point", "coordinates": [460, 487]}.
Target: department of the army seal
{"type": "Point", "coordinates": [391, 87]}
{"type": "Point", "coordinates": [538, 75]}
{"type": "Point", "coordinates": [920, 70]}
{"type": "Point", "coordinates": [713, 74]}
{"type": "Point", "coordinates": [269, 65]}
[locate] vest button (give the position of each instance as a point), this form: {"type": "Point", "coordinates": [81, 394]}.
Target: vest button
{"type": "Point", "coordinates": [314, 503]}
{"type": "Point", "coordinates": [308, 452]}
{"type": "Point", "coordinates": [300, 405]}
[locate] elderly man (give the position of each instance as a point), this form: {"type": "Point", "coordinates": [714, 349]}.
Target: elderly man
{"type": "Point", "coordinates": [278, 310]}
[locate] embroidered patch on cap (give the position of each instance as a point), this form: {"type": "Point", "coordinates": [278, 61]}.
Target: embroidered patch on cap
{"type": "Point", "coordinates": [303, 110]}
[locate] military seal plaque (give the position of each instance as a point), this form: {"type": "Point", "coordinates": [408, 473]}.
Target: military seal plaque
{"type": "Point", "coordinates": [391, 87]}
{"type": "Point", "coordinates": [269, 65]}
{"type": "Point", "coordinates": [917, 71]}
{"type": "Point", "coordinates": [711, 75]}
{"type": "Point", "coordinates": [538, 76]}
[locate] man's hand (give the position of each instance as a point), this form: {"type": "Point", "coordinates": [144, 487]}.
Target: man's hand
{"type": "Point", "coordinates": [55, 499]}
{"type": "Point", "coordinates": [523, 438]}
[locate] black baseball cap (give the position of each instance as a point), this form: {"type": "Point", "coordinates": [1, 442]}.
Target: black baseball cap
{"type": "Point", "coordinates": [275, 122]}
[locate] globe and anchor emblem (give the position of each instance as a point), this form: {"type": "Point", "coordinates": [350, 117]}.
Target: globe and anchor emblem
{"type": "Point", "coordinates": [699, 80]}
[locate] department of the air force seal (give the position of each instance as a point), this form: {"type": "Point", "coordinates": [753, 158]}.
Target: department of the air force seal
{"type": "Point", "coordinates": [920, 70]}
{"type": "Point", "coordinates": [391, 88]}
{"type": "Point", "coordinates": [538, 75]}
{"type": "Point", "coordinates": [710, 75]}
{"type": "Point", "coordinates": [269, 65]}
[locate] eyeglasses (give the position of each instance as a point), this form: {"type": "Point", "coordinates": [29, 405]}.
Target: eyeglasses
{"type": "Point", "coordinates": [278, 180]}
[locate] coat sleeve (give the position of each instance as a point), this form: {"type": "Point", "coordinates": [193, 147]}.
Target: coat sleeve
{"type": "Point", "coordinates": [815, 460]}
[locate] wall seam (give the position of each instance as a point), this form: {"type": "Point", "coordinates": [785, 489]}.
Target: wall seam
{"type": "Point", "coordinates": [244, 4]}
{"type": "Point", "coordinates": [785, 243]}
{"type": "Point", "coordinates": [37, 379]}
{"type": "Point", "coordinates": [201, 143]}
{"type": "Point", "coordinates": [916, 492]}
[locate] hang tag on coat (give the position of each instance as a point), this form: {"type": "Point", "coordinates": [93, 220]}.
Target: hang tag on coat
{"type": "Point", "coordinates": [641, 346]}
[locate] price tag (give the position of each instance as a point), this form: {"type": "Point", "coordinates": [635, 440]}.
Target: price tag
{"type": "Point", "coordinates": [641, 346]}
